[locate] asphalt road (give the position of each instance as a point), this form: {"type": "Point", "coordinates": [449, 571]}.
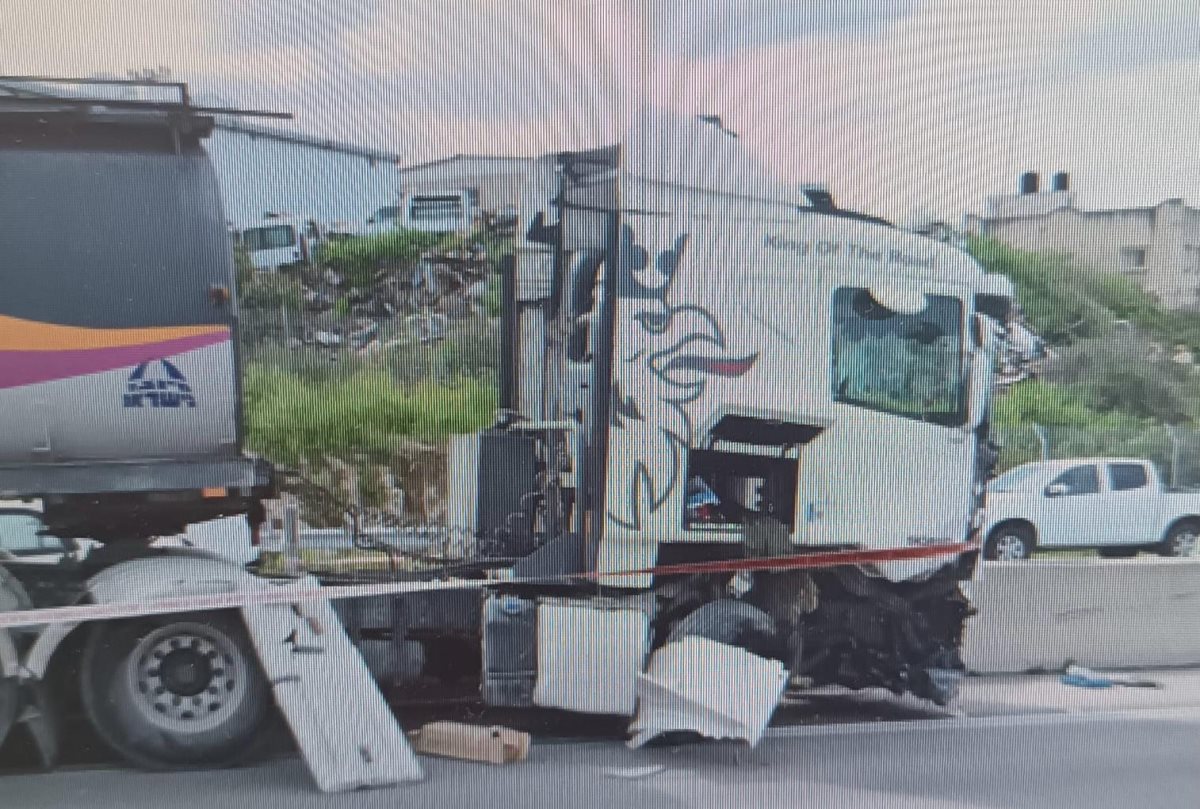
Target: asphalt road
{"type": "Point", "coordinates": [1146, 759]}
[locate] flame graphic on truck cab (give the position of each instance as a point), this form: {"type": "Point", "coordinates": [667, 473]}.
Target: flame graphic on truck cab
{"type": "Point", "coordinates": [666, 364]}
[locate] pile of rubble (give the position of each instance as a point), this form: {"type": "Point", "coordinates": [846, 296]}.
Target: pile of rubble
{"type": "Point", "coordinates": [420, 298]}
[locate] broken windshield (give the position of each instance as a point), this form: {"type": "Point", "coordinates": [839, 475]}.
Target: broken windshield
{"type": "Point", "coordinates": [906, 364]}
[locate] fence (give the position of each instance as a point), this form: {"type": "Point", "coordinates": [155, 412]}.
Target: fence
{"type": "Point", "coordinates": [1175, 450]}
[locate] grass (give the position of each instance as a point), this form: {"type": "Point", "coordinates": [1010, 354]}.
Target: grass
{"type": "Point", "coordinates": [272, 563]}
{"type": "Point", "coordinates": [364, 413]}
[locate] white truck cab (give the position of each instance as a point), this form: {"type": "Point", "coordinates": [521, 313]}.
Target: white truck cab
{"type": "Point", "coordinates": [1116, 505]}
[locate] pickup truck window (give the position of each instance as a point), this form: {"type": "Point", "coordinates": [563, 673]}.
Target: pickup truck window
{"type": "Point", "coordinates": [1079, 480]}
{"type": "Point", "coordinates": [1123, 477]}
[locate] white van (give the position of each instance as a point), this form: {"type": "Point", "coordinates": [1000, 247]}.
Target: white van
{"type": "Point", "coordinates": [280, 242]}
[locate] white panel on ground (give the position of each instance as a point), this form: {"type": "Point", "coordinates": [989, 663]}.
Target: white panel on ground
{"type": "Point", "coordinates": [716, 690]}
{"type": "Point", "coordinates": [589, 657]}
{"type": "Point", "coordinates": [342, 725]}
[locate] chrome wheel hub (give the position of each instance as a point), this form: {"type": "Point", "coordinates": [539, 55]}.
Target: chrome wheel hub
{"type": "Point", "coordinates": [187, 677]}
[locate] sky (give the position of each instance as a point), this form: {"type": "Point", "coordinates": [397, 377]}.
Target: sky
{"type": "Point", "coordinates": [902, 107]}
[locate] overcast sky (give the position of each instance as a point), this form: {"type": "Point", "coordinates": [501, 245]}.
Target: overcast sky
{"type": "Point", "coordinates": [898, 105]}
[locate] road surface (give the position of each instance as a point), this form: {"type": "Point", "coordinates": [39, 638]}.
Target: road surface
{"type": "Point", "coordinates": [1144, 758]}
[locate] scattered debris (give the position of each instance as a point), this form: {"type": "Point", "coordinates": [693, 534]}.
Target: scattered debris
{"type": "Point", "coordinates": [491, 745]}
{"type": "Point", "coordinates": [634, 773]}
{"type": "Point", "coordinates": [686, 687]}
{"type": "Point", "coordinates": [1083, 677]}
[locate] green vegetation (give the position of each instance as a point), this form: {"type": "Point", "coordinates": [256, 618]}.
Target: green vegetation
{"type": "Point", "coordinates": [271, 291]}
{"type": "Point", "coordinates": [1065, 302]}
{"type": "Point", "coordinates": [357, 423]}
{"type": "Point", "coordinates": [364, 414]}
{"type": "Point", "coordinates": [1111, 387]}
{"type": "Point", "coordinates": [361, 258]}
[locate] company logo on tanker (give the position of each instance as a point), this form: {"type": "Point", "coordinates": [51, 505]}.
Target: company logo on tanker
{"type": "Point", "coordinates": [37, 353]}
{"type": "Point", "coordinates": [158, 384]}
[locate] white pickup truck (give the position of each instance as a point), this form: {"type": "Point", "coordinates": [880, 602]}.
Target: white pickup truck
{"type": "Point", "coordinates": [1117, 506]}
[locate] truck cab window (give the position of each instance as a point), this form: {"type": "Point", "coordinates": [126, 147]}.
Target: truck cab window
{"type": "Point", "coordinates": [1123, 477]}
{"type": "Point", "coordinates": [906, 364]}
{"type": "Point", "coordinates": [1079, 480]}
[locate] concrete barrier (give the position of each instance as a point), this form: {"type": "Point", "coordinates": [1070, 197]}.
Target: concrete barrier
{"type": "Point", "coordinates": [1134, 613]}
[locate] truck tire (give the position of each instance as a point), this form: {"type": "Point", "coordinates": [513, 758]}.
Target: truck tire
{"type": "Point", "coordinates": [1182, 540]}
{"type": "Point", "coordinates": [1009, 543]}
{"type": "Point", "coordinates": [12, 597]}
{"type": "Point", "coordinates": [176, 691]}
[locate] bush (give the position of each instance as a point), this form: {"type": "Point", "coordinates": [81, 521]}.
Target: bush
{"type": "Point", "coordinates": [1124, 373]}
{"type": "Point", "coordinates": [243, 266]}
{"type": "Point", "coordinates": [1036, 402]}
{"type": "Point", "coordinates": [1053, 294]}
{"type": "Point", "coordinates": [361, 257]}
{"type": "Point", "coordinates": [491, 300]}
{"type": "Point", "coordinates": [1065, 302]}
{"type": "Point", "coordinates": [273, 291]}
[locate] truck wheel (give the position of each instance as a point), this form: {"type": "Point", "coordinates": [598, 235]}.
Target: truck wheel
{"type": "Point", "coordinates": [1182, 540]}
{"type": "Point", "coordinates": [1009, 543]}
{"type": "Point", "coordinates": [175, 691]}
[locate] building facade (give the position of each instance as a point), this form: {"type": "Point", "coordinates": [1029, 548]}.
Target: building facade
{"type": "Point", "coordinates": [496, 180]}
{"type": "Point", "coordinates": [1156, 246]}
{"type": "Point", "coordinates": [263, 169]}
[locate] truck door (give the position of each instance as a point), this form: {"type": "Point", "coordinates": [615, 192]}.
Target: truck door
{"type": "Point", "coordinates": [1130, 505]}
{"type": "Point", "coordinates": [1071, 509]}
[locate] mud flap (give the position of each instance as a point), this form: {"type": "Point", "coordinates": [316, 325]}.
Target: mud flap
{"type": "Point", "coordinates": [10, 705]}
{"type": "Point", "coordinates": [345, 730]}
{"type": "Point", "coordinates": [12, 597]}
{"type": "Point", "coordinates": [41, 723]}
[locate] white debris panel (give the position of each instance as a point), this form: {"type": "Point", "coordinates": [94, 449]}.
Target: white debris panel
{"type": "Point", "coordinates": [713, 689]}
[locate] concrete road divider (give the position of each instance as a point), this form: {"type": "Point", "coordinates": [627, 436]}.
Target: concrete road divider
{"type": "Point", "coordinates": [1135, 613]}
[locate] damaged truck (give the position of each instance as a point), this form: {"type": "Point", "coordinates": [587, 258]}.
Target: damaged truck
{"type": "Point", "coordinates": [730, 410]}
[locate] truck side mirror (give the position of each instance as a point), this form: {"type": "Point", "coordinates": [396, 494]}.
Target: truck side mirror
{"type": "Point", "coordinates": [1056, 490]}
{"type": "Point", "coordinates": [979, 381]}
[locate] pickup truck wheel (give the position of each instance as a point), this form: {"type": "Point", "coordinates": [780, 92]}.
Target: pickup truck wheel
{"type": "Point", "coordinates": [1182, 540]}
{"type": "Point", "coordinates": [1009, 544]}
{"type": "Point", "coordinates": [175, 691]}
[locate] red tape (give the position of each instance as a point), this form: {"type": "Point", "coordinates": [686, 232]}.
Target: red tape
{"type": "Point", "coordinates": [291, 594]}
{"type": "Point", "coordinates": [803, 561]}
